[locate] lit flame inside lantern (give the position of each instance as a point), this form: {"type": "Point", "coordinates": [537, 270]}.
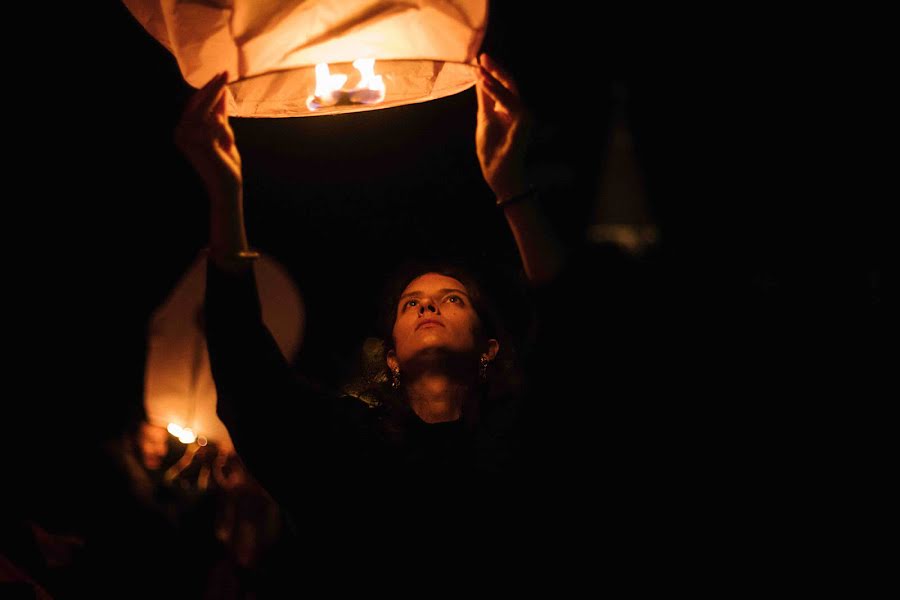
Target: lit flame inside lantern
{"type": "Point", "coordinates": [330, 92]}
{"type": "Point", "coordinates": [184, 434]}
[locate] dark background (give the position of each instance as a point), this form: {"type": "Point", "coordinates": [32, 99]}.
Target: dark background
{"type": "Point", "coordinates": [748, 238]}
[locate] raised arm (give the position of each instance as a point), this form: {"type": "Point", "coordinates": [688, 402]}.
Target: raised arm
{"type": "Point", "coordinates": [205, 137]}
{"type": "Point", "coordinates": [274, 417]}
{"type": "Point", "coordinates": [501, 140]}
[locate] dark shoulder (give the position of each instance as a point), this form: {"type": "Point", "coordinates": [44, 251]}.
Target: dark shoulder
{"type": "Point", "coordinates": [356, 414]}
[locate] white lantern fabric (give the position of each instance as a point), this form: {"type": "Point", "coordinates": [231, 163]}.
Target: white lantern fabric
{"type": "Point", "coordinates": [423, 49]}
{"type": "Point", "coordinates": [178, 383]}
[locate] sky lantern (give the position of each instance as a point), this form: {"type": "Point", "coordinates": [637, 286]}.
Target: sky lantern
{"type": "Point", "coordinates": [292, 58]}
{"type": "Point", "coordinates": [179, 392]}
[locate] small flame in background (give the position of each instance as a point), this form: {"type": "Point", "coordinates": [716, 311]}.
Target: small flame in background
{"type": "Point", "coordinates": [329, 88]}
{"type": "Point", "coordinates": [184, 434]}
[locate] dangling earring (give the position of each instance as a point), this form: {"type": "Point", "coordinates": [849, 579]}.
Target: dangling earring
{"type": "Point", "coordinates": [395, 378]}
{"type": "Point", "coordinates": [484, 365]}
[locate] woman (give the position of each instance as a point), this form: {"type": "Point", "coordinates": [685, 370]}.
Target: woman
{"type": "Point", "coordinates": [433, 426]}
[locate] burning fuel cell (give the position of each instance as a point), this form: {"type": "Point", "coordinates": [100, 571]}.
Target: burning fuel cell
{"type": "Point", "coordinates": [330, 88]}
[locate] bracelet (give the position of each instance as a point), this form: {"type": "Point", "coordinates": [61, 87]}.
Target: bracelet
{"type": "Point", "coordinates": [246, 255]}
{"type": "Point", "coordinates": [239, 258]}
{"type": "Point", "coordinates": [530, 191]}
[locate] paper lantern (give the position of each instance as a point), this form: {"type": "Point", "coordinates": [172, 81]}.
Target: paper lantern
{"type": "Point", "coordinates": [289, 58]}
{"type": "Point", "coordinates": [179, 392]}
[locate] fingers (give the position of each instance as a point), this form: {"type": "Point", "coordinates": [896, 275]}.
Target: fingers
{"type": "Point", "coordinates": [206, 139]}
{"type": "Point", "coordinates": [219, 104]}
{"type": "Point", "coordinates": [206, 91]}
{"type": "Point", "coordinates": [485, 102]}
{"type": "Point", "coordinates": [224, 134]}
{"type": "Point", "coordinates": [498, 73]}
{"type": "Point", "coordinates": [213, 108]}
{"type": "Point", "coordinates": [498, 86]}
{"type": "Point", "coordinates": [223, 153]}
{"type": "Point", "coordinates": [205, 117]}
{"type": "Point", "coordinates": [202, 102]}
{"type": "Point", "coordinates": [501, 99]}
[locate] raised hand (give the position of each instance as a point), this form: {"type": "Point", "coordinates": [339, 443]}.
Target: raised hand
{"type": "Point", "coordinates": [501, 134]}
{"type": "Point", "coordinates": [207, 140]}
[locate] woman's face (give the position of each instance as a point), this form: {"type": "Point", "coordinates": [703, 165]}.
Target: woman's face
{"type": "Point", "coordinates": [435, 315]}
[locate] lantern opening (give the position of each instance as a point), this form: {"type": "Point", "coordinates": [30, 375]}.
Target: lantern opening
{"type": "Point", "coordinates": [336, 88]}
{"type": "Point", "coordinates": [288, 58]}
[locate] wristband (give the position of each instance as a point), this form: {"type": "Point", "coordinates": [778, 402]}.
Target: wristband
{"type": "Point", "coordinates": [530, 191]}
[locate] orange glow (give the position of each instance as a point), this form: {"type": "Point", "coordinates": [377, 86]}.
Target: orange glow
{"type": "Point", "coordinates": [425, 50]}
{"type": "Point", "coordinates": [184, 434]}
{"type": "Point", "coordinates": [330, 88]}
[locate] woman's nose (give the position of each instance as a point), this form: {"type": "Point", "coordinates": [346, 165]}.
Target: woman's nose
{"type": "Point", "coordinates": [427, 305]}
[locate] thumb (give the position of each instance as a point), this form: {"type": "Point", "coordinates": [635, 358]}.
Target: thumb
{"type": "Point", "coordinates": [221, 104]}
{"type": "Point", "coordinates": [485, 102]}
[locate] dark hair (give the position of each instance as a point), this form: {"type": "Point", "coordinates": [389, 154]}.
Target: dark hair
{"type": "Point", "coordinates": [485, 287]}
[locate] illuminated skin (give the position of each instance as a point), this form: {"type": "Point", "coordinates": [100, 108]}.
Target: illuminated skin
{"type": "Point", "coordinates": [152, 445]}
{"type": "Point", "coordinates": [443, 300]}
{"type": "Point", "coordinates": [437, 346]}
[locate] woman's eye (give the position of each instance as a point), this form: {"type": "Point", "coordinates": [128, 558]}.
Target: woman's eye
{"type": "Point", "coordinates": [411, 302]}
{"type": "Point", "coordinates": [454, 299]}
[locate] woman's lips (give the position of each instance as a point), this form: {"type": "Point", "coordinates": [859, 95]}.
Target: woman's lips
{"type": "Point", "coordinates": [427, 322]}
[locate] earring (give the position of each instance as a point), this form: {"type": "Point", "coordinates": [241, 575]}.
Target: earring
{"type": "Point", "coordinates": [484, 365]}
{"type": "Point", "coordinates": [395, 378]}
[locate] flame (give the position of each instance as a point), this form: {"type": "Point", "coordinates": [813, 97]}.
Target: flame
{"type": "Point", "coordinates": [184, 434]}
{"type": "Point", "coordinates": [326, 83]}
{"type": "Point", "coordinates": [329, 88]}
{"type": "Point", "coordinates": [368, 80]}
{"type": "Point", "coordinates": [187, 436]}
